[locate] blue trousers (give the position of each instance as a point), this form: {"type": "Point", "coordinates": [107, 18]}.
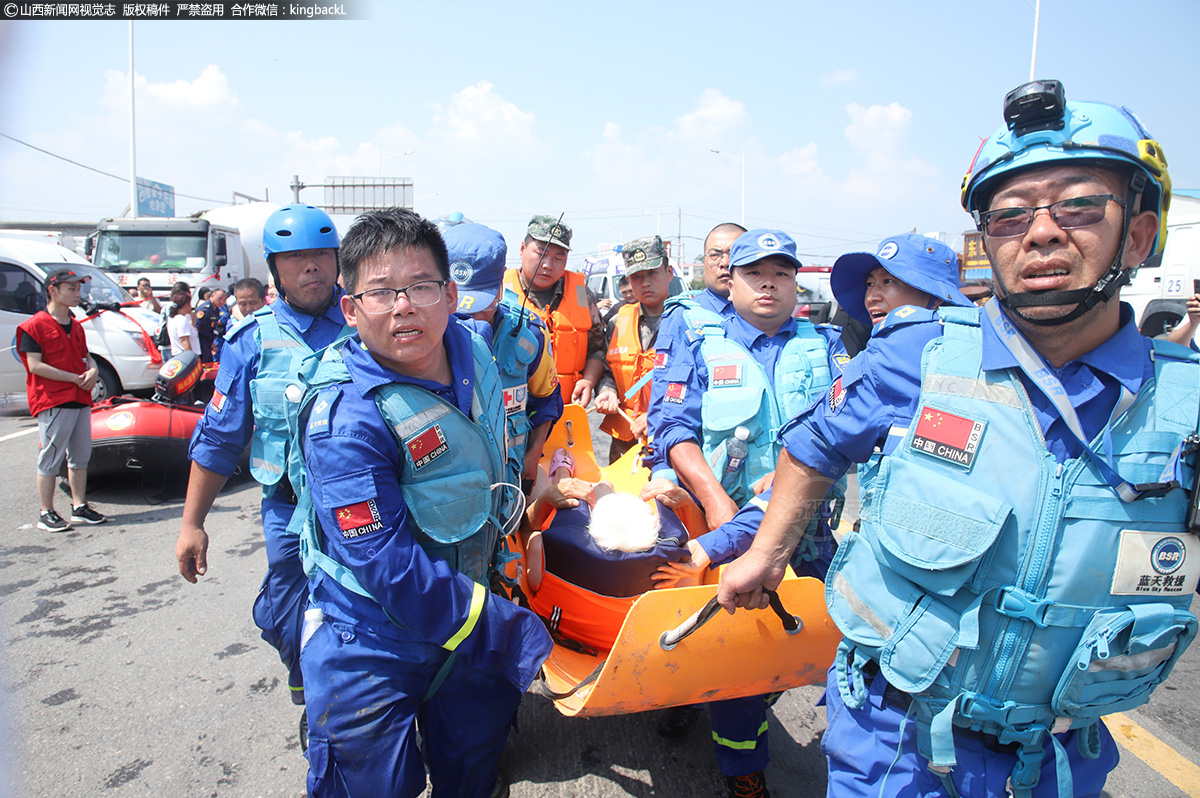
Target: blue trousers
{"type": "Point", "coordinates": [872, 752]}
{"type": "Point", "coordinates": [283, 597]}
{"type": "Point", "coordinates": [365, 704]}
{"type": "Point", "coordinates": [739, 729]}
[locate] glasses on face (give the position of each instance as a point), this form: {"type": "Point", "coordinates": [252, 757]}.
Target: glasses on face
{"type": "Point", "coordinates": [715, 256]}
{"type": "Point", "coordinates": [1067, 214]}
{"type": "Point", "coordinates": [420, 294]}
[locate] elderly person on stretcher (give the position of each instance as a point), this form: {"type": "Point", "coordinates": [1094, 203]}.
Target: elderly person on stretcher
{"type": "Point", "coordinates": [606, 542]}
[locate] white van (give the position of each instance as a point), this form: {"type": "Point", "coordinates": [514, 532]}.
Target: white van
{"type": "Point", "coordinates": [118, 338]}
{"type": "Point", "coordinates": [1161, 287]}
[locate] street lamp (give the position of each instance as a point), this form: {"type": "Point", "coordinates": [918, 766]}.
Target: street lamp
{"type": "Point", "coordinates": [741, 158]}
{"type": "Point", "coordinates": [390, 157]}
{"type": "Point", "coordinates": [657, 221]}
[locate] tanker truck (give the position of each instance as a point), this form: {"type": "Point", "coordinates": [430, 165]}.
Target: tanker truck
{"type": "Point", "coordinates": [211, 250]}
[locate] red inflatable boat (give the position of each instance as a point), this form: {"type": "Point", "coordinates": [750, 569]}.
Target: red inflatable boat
{"type": "Point", "coordinates": [150, 436]}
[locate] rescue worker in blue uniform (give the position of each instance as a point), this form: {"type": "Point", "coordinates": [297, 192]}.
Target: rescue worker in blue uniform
{"type": "Point", "coordinates": [532, 399]}
{"type": "Point", "coordinates": [261, 356]}
{"type": "Point", "coordinates": [725, 377]}
{"type": "Point", "coordinates": [906, 270]}
{"type": "Point", "coordinates": [714, 298]}
{"type": "Point", "coordinates": [1020, 568]}
{"type": "Point", "coordinates": [402, 432]}
{"type": "Point", "coordinates": [753, 370]}
{"type": "Point", "coordinates": [715, 295]}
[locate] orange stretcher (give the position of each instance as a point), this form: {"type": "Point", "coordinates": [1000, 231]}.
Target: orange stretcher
{"type": "Point", "coordinates": [635, 654]}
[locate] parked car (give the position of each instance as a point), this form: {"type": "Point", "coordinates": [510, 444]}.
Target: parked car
{"type": "Point", "coordinates": [120, 339]}
{"type": "Point", "coordinates": [814, 297]}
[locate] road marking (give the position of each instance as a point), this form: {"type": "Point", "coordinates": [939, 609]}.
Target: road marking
{"type": "Point", "coordinates": [18, 434]}
{"type": "Point", "coordinates": [1154, 752]}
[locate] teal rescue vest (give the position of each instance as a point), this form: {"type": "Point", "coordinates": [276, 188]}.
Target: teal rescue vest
{"type": "Point", "coordinates": [1005, 592]}
{"type": "Point", "coordinates": [281, 350]}
{"type": "Point", "coordinates": [740, 395]}
{"type": "Point", "coordinates": [453, 474]}
{"type": "Point", "coordinates": [515, 347]}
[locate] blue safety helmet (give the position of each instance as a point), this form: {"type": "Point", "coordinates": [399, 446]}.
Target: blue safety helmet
{"type": "Point", "coordinates": [1043, 129]}
{"type": "Point", "coordinates": [293, 228]}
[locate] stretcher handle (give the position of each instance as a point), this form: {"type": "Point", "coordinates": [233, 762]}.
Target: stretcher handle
{"type": "Point", "coordinates": [673, 637]}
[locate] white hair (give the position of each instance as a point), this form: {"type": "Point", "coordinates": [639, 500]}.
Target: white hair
{"type": "Point", "coordinates": [622, 522]}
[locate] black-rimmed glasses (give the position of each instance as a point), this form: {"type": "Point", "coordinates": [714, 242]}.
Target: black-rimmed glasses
{"type": "Point", "coordinates": [420, 294]}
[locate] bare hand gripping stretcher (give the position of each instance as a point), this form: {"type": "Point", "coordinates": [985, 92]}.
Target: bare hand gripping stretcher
{"type": "Point", "coordinates": [617, 655]}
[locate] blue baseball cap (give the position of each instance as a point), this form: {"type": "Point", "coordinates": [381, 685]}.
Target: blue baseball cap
{"type": "Point", "coordinates": [754, 245]}
{"type": "Point", "coordinates": [477, 254]}
{"type": "Point", "coordinates": [923, 263]}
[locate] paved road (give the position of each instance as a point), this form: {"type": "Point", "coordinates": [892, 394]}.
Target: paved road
{"type": "Point", "coordinates": [123, 680]}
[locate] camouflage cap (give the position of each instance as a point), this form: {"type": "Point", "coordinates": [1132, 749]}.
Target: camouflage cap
{"type": "Point", "coordinates": [550, 230]}
{"type": "Point", "coordinates": [643, 254]}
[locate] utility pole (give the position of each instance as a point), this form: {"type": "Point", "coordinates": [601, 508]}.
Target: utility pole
{"type": "Point", "coordinates": [133, 188]}
{"type": "Point", "coordinates": [1037, 16]}
{"type": "Point", "coordinates": [679, 237]}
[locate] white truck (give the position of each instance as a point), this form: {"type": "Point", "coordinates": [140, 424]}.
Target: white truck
{"type": "Point", "coordinates": [1161, 286]}
{"type": "Point", "coordinates": [219, 247]}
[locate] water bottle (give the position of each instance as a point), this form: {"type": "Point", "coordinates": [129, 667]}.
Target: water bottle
{"type": "Point", "coordinates": [736, 450]}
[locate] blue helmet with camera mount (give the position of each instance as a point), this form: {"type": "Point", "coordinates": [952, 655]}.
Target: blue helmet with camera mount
{"type": "Point", "coordinates": [1043, 129]}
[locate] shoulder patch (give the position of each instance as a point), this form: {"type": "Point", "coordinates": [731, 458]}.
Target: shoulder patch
{"type": "Point", "coordinates": [904, 316]}
{"type": "Point", "coordinates": [360, 518]}
{"type": "Point", "coordinates": [318, 418]}
{"type": "Point", "coordinates": [837, 395]}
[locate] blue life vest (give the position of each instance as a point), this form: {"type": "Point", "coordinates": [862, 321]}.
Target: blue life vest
{"type": "Point", "coordinates": [452, 473]}
{"type": "Point", "coordinates": [515, 347]}
{"type": "Point", "coordinates": [740, 395]}
{"type": "Point", "coordinates": [573, 554]}
{"type": "Point", "coordinates": [281, 351]}
{"type": "Point", "coordinates": [1005, 592]}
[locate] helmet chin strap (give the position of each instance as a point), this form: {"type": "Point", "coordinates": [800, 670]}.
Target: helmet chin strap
{"type": "Point", "coordinates": [1084, 299]}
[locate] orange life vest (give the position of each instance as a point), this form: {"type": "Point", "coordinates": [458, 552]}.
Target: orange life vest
{"type": "Point", "coordinates": [629, 363]}
{"type": "Point", "coordinates": [568, 324]}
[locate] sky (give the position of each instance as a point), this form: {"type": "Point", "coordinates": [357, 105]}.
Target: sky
{"type": "Point", "coordinates": [857, 120]}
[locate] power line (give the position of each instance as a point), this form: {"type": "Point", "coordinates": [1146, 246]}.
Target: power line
{"type": "Point", "coordinates": [94, 169]}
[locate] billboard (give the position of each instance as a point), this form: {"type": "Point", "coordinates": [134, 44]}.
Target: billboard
{"type": "Point", "coordinates": [155, 199]}
{"type": "Point", "coordinates": [352, 195]}
{"type": "Point", "coordinates": [973, 263]}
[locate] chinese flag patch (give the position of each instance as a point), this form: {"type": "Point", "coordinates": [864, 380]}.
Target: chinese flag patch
{"type": "Point", "coordinates": [947, 436]}
{"type": "Point", "coordinates": [660, 360]}
{"type": "Point", "coordinates": [837, 395]}
{"type": "Point", "coordinates": [358, 519]}
{"type": "Point", "coordinates": [428, 446]}
{"type": "Point", "coordinates": [727, 375]}
{"type": "Point", "coordinates": [218, 401]}
{"type": "Point", "coordinates": [675, 392]}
